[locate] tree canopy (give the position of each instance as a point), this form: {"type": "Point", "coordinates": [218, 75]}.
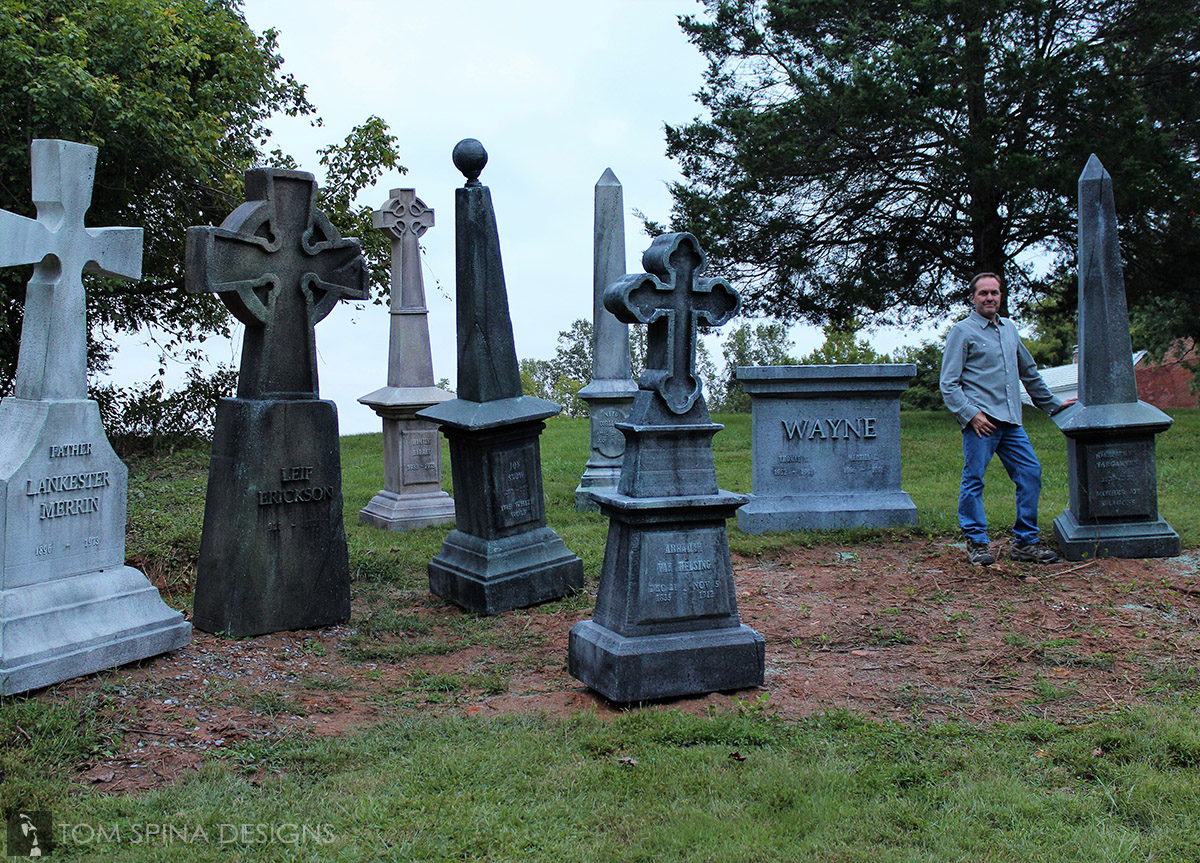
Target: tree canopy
{"type": "Point", "coordinates": [176, 94]}
{"type": "Point", "coordinates": [863, 158]}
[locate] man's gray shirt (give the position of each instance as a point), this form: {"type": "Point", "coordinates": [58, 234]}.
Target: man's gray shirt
{"type": "Point", "coordinates": [983, 367]}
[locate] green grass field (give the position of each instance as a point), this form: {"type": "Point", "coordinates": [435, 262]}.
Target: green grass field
{"type": "Point", "coordinates": [652, 785]}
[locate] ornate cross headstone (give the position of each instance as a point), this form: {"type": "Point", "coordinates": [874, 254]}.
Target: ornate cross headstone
{"type": "Point", "coordinates": [666, 621]}
{"type": "Point", "coordinates": [501, 554]}
{"type": "Point", "coordinates": [610, 393]}
{"type": "Point", "coordinates": [68, 604]}
{"type": "Point", "coordinates": [273, 553]}
{"type": "Point", "coordinates": [412, 495]}
{"type": "Point", "coordinates": [1111, 473]}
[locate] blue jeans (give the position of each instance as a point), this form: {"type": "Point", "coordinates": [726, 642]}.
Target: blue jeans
{"type": "Point", "coordinates": [1016, 454]}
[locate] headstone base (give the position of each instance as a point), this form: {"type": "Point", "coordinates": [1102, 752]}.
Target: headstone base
{"type": "Point", "coordinates": [67, 627]}
{"type": "Point", "coordinates": [491, 576]}
{"type": "Point", "coordinates": [666, 621]}
{"type": "Point", "coordinates": [648, 667]}
{"type": "Point", "coordinates": [595, 479]}
{"type": "Point", "coordinates": [392, 511]}
{"type": "Point", "coordinates": [827, 512]}
{"type": "Point", "coordinates": [273, 553]}
{"type": "Point", "coordinates": [1122, 540]}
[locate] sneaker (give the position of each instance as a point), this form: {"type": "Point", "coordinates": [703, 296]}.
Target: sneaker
{"type": "Point", "coordinates": [1033, 552]}
{"type": "Point", "coordinates": [977, 552]}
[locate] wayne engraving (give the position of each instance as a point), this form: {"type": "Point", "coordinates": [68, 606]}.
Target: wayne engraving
{"type": "Point", "coordinates": [859, 428]}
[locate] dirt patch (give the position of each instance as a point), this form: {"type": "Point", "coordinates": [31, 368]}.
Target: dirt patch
{"type": "Point", "coordinates": [905, 630]}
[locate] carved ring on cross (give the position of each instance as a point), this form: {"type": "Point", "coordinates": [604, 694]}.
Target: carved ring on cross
{"type": "Point", "coordinates": [673, 299]}
{"type": "Point", "coordinates": [403, 213]}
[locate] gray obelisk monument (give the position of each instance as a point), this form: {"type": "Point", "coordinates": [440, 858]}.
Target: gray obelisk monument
{"type": "Point", "coordinates": [412, 493]}
{"type": "Point", "coordinates": [1112, 478]}
{"type": "Point", "coordinates": [611, 391]}
{"type": "Point", "coordinates": [68, 603]}
{"type": "Point", "coordinates": [501, 554]}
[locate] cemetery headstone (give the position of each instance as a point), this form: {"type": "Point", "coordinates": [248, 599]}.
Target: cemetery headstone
{"type": "Point", "coordinates": [68, 603]}
{"type": "Point", "coordinates": [273, 552]}
{"type": "Point", "coordinates": [612, 388]}
{"type": "Point", "coordinates": [501, 554]}
{"type": "Point", "coordinates": [825, 443]}
{"type": "Point", "coordinates": [1111, 471]}
{"type": "Point", "coordinates": [666, 620]}
{"type": "Point", "coordinates": [412, 493]}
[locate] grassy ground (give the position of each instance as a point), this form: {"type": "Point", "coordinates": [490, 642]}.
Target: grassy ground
{"type": "Point", "coordinates": [653, 785]}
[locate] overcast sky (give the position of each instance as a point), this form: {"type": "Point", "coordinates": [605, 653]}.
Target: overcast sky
{"type": "Point", "coordinates": [556, 92]}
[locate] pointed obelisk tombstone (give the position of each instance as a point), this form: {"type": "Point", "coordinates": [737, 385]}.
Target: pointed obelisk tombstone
{"type": "Point", "coordinates": [273, 552]}
{"type": "Point", "coordinates": [666, 620]}
{"type": "Point", "coordinates": [68, 603]}
{"type": "Point", "coordinates": [612, 388]}
{"type": "Point", "coordinates": [412, 494]}
{"type": "Point", "coordinates": [501, 554]}
{"type": "Point", "coordinates": [1112, 478]}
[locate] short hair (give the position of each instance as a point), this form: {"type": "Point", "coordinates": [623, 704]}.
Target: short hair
{"type": "Point", "coordinates": [981, 276]}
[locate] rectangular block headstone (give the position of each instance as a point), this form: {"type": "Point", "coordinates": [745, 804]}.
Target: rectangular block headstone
{"type": "Point", "coordinates": [826, 447]}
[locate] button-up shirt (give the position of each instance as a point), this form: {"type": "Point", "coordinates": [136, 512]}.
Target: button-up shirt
{"type": "Point", "coordinates": [983, 367]}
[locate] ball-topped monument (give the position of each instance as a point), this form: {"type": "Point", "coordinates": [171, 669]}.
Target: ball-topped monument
{"type": "Point", "coordinates": [502, 555]}
{"type": "Point", "coordinates": [470, 158]}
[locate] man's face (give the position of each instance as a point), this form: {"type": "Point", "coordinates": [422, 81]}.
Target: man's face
{"type": "Point", "coordinates": [986, 298]}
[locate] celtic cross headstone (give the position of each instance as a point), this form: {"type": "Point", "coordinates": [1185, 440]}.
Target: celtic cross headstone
{"type": "Point", "coordinates": [273, 552]}
{"type": "Point", "coordinates": [412, 495]}
{"type": "Point", "coordinates": [68, 603]}
{"type": "Point", "coordinates": [666, 622]}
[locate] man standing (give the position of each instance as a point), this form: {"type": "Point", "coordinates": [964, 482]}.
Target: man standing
{"type": "Point", "coordinates": [982, 369]}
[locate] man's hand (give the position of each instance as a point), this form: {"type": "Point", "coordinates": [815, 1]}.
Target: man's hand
{"type": "Point", "coordinates": [982, 425]}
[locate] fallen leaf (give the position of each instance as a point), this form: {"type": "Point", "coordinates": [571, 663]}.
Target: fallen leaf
{"type": "Point", "coordinates": [627, 761]}
{"type": "Point", "coordinates": [1097, 752]}
{"type": "Point", "coordinates": [737, 756]}
{"type": "Point", "coordinates": [1041, 753]}
{"type": "Point", "coordinates": [106, 776]}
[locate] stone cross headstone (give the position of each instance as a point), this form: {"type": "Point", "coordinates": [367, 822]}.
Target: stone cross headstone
{"type": "Point", "coordinates": [501, 554]}
{"type": "Point", "coordinates": [612, 388]}
{"type": "Point", "coordinates": [666, 621]}
{"type": "Point", "coordinates": [68, 604]}
{"type": "Point", "coordinates": [412, 494]}
{"type": "Point", "coordinates": [825, 442]}
{"type": "Point", "coordinates": [1111, 472]}
{"type": "Point", "coordinates": [273, 552]}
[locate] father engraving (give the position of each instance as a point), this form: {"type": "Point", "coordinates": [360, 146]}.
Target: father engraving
{"type": "Point", "coordinates": [68, 604]}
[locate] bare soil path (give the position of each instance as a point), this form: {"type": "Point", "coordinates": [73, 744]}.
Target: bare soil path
{"type": "Point", "coordinates": [903, 630]}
